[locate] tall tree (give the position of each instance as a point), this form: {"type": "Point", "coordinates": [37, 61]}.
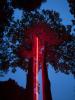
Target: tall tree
{"type": "Point", "coordinates": [59, 53]}
{"type": "Point", "coordinates": [16, 40]}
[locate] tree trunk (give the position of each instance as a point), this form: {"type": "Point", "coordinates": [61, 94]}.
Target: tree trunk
{"type": "Point", "coordinates": [29, 87]}
{"type": "Point", "coordinates": [46, 83]}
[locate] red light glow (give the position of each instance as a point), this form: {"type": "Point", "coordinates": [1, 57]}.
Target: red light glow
{"type": "Point", "coordinates": [35, 67]}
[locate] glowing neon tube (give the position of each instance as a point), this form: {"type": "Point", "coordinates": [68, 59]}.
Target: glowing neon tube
{"type": "Point", "coordinates": [35, 67]}
{"type": "Point", "coordinates": [37, 64]}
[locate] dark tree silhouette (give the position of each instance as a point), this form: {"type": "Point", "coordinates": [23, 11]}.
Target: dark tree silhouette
{"type": "Point", "coordinates": [14, 36]}
{"type": "Point", "coordinates": [5, 14]}
{"type": "Point", "coordinates": [72, 6]}
{"type": "Point", "coordinates": [27, 4]}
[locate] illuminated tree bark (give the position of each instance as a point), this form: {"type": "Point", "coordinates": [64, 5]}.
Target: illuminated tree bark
{"type": "Point", "coordinates": [39, 37]}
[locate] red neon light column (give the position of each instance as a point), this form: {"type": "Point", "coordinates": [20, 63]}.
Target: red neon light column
{"type": "Point", "coordinates": [38, 59]}
{"type": "Point", "coordinates": [35, 67]}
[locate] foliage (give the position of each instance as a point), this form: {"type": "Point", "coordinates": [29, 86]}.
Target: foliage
{"type": "Point", "coordinates": [5, 14]}
{"type": "Point", "coordinates": [66, 61]}
{"type": "Point", "coordinates": [72, 6]}
{"type": "Point", "coordinates": [27, 4]}
{"type": "Point", "coordinates": [12, 38]}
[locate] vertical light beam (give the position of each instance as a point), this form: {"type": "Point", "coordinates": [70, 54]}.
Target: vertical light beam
{"type": "Point", "coordinates": [37, 64]}
{"type": "Point", "coordinates": [35, 67]}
